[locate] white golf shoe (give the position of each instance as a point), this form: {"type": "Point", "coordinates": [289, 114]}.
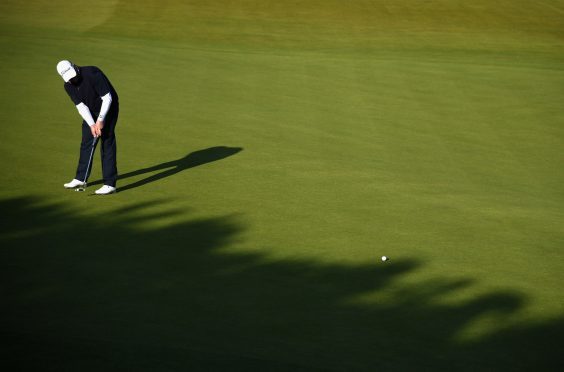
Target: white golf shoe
{"type": "Point", "coordinates": [73, 184]}
{"type": "Point", "coordinates": [105, 190]}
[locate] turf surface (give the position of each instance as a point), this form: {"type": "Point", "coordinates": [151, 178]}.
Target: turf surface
{"type": "Point", "coordinates": [270, 153]}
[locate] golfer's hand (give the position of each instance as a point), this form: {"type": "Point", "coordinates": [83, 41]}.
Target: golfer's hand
{"type": "Point", "coordinates": [97, 128]}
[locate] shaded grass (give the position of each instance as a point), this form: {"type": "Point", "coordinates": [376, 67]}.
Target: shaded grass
{"type": "Point", "coordinates": [169, 299]}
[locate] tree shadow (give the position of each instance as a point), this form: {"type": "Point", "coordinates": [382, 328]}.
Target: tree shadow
{"type": "Point", "coordinates": [89, 293]}
{"type": "Point", "coordinates": [173, 167]}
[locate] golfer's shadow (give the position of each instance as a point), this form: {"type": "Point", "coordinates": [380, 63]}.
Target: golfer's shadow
{"type": "Point", "coordinates": [191, 160]}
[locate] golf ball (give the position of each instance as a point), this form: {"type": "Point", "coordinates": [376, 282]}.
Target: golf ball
{"type": "Point", "coordinates": [384, 258]}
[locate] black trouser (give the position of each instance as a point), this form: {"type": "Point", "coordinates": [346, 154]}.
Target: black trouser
{"type": "Point", "coordinates": [108, 150]}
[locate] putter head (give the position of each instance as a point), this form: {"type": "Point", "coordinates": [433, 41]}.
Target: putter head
{"type": "Point", "coordinates": [81, 188]}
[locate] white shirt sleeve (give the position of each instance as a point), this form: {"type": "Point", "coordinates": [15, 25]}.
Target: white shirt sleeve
{"type": "Point", "coordinates": [106, 102]}
{"type": "Point", "coordinates": [85, 113]}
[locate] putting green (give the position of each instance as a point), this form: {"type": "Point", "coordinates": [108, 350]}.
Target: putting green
{"type": "Point", "coordinates": [270, 153]}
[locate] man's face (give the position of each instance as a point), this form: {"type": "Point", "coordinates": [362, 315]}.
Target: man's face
{"type": "Point", "coordinates": [75, 80]}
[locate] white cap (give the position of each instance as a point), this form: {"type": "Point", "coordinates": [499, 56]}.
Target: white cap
{"type": "Point", "coordinates": [66, 70]}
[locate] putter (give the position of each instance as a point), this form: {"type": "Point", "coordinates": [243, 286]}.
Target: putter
{"type": "Point", "coordinates": [83, 187]}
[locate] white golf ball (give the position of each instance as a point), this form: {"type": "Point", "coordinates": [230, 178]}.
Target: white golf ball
{"type": "Point", "coordinates": [384, 258]}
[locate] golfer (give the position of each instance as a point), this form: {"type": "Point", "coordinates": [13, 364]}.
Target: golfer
{"type": "Point", "coordinates": [94, 97]}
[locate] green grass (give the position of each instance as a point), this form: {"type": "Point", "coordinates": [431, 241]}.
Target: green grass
{"type": "Point", "coordinates": [271, 152]}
